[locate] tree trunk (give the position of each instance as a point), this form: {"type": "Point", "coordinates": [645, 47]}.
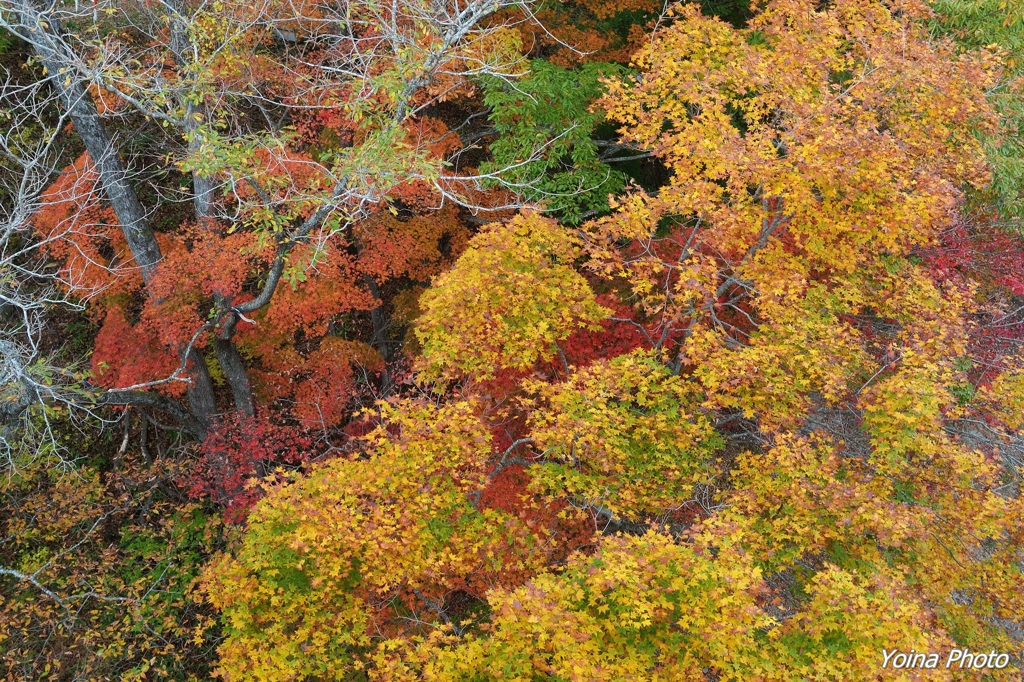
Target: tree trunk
{"type": "Point", "coordinates": [113, 176]}
{"type": "Point", "coordinates": [203, 186]}
{"type": "Point", "coordinates": [234, 370]}
{"type": "Point", "coordinates": [381, 341]}
{"type": "Point", "coordinates": [200, 391]}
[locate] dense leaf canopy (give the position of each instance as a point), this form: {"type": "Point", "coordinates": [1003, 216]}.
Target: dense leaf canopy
{"type": "Point", "coordinates": [476, 340]}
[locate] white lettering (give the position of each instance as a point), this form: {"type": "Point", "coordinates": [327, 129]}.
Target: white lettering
{"type": "Point", "coordinates": [913, 660]}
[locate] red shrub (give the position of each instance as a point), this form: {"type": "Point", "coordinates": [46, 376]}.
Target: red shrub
{"type": "Point", "coordinates": [239, 450]}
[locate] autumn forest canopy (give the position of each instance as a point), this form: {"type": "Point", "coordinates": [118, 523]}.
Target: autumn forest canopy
{"type": "Point", "coordinates": [479, 340]}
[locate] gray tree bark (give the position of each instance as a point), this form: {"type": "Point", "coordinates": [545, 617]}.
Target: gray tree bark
{"type": "Point", "coordinates": [234, 370]}
{"type": "Point", "coordinates": [112, 173]}
{"type": "Point", "coordinates": [203, 186]}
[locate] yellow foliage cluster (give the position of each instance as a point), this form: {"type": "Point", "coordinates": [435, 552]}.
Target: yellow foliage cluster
{"type": "Point", "coordinates": [507, 302]}
{"type": "Point", "coordinates": [624, 435]}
